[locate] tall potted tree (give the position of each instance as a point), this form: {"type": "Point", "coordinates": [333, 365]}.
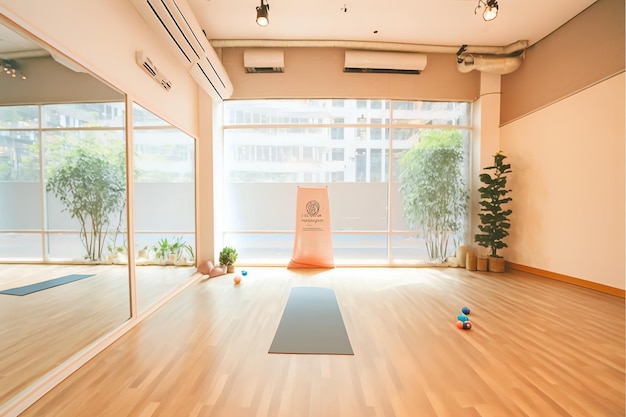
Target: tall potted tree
{"type": "Point", "coordinates": [494, 218]}
{"type": "Point", "coordinates": [91, 184]}
{"type": "Point", "coordinates": [434, 191]}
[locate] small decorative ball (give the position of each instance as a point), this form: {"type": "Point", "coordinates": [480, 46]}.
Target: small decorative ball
{"type": "Point", "coordinates": [465, 310]}
{"type": "Point", "coordinates": [462, 317]}
{"type": "Point", "coordinates": [244, 273]}
{"type": "Point", "coordinates": [459, 324]}
{"type": "Point", "coordinates": [467, 325]}
{"type": "Point", "coordinates": [237, 279]}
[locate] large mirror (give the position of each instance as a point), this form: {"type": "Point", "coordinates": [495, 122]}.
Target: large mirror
{"type": "Point", "coordinates": [164, 206]}
{"type": "Point", "coordinates": [64, 252]}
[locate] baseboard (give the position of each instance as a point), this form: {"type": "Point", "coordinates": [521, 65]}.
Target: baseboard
{"type": "Point", "coordinates": [565, 278]}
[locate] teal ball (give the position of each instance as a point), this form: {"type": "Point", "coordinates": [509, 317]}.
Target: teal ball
{"type": "Point", "coordinates": [462, 317]}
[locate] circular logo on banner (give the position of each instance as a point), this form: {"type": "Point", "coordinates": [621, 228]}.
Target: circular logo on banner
{"type": "Point", "coordinates": [312, 208]}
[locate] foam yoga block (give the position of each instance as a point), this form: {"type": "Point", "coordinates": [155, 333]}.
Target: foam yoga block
{"type": "Point", "coordinates": [208, 268]}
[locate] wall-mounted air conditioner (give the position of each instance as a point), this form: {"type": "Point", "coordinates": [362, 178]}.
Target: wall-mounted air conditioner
{"type": "Point", "coordinates": [264, 60]}
{"type": "Point", "coordinates": [151, 69]}
{"type": "Point", "coordinates": [384, 62]}
{"type": "Point", "coordinates": [174, 22]}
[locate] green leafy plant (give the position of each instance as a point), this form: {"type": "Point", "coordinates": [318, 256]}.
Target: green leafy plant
{"type": "Point", "coordinates": [92, 187]}
{"type": "Point", "coordinates": [180, 247]}
{"type": "Point", "coordinates": [228, 256]}
{"type": "Point", "coordinates": [434, 192]}
{"type": "Point", "coordinates": [161, 249]}
{"type": "Point", "coordinates": [177, 246]}
{"type": "Point", "coordinates": [494, 218]}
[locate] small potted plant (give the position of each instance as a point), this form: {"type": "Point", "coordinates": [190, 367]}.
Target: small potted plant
{"type": "Point", "coordinates": [161, 249]}
{"type": "Point", "coordinates": [228, 257]}
{"type": "Point", "coordinates": [494, 218]}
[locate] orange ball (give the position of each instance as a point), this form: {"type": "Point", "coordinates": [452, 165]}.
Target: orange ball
{"type": "Point", "coordinates": [459, 324]}
{"type": "Point", "coordinates": [237, 279]}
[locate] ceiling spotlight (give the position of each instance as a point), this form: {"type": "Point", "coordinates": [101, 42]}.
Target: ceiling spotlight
{"type": "Point", "coordinates": [11, 68]}
{"type": "Point", "coordinates": [491, 9]}
{"type": "Point", "coordinates": [262, 14]}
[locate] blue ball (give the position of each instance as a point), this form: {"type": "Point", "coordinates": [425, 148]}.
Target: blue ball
{"type": "Point", "coordinates": [462, 317]}
{"type": "Point", "coordinates": [244, 273]}
{"type": "Point", "coordinates": [465, 310]}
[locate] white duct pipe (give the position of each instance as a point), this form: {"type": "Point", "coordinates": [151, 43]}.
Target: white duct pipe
{"type": "Point", "coordinates": [364, 45]}
{"type": "Point", "coordinates": [489, 64]}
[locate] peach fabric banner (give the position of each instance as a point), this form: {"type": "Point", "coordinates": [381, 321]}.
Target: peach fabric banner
{"type": "Point", "coordinates": [313, 245]}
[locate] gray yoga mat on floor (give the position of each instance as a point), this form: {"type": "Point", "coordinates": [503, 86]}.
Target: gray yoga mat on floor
{"type": "Point", "coordinates": [29, 289]}
{"type": "Point", "coordinates": [312, 324]}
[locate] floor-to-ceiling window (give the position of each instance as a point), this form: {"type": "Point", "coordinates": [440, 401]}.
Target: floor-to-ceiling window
{"type": "Point", "coordinates": [352, 146]}
{"type": "Point", "coordinates": [39, 146]}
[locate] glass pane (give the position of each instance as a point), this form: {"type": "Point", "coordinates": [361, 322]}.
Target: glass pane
{"type": "Point", "coordinates": [350, 147]}
{"type": "Point", "coordinates": [432, 113]}
{"type": "Point", "coordinates": [262, 248]}
{"type": "Point", "coordinates": [163, 155]}
{"type": "Point", "coordinates": [292, 155]}
{"type": "Point", "coordinates": [19, 155]}
{"type": "Point", "coordinates": [21, 206]}
{"type": "Point", "coordinates": [66, 247]}
{"type": "Point", "coordinates": [20, 246]}
{"type": "Point", "coordinates": [82, 115]}
{"type": "Point", "coordinates": [164, 191]}
{"type": "Point", "coordinates": [408, 249]}
{"type": "Point", "coordinates": [19, 117]}
{"type": "Point", "coordinates": [272, 207]}
{"type": "Point", "coordinates": [85, 178]}
{"type": "Point", "coordinates": [294, 112]}
{"type": "Point", "coordinates": [143, 117]}
{"type": "Point", "coordinates": [360, 249]}
{"type": "Point", "coordinates": [430, 191]}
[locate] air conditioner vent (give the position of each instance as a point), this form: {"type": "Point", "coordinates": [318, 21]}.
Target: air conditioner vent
{"type": "Point", "coordinates": [384, 62]}
{"type": "Point", "coordinates": [263, 60]}
{"type": "Point", "coordinates": [175, 24]}
{"type": "Point", "coordinates": [151, 69]}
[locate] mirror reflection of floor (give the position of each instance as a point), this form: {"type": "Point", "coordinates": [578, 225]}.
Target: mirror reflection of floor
{"type": "Point", "coordinates": [41, 330]}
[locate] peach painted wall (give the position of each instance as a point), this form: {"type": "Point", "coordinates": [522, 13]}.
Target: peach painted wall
{"type": "Point", "coordinates": [568, 185]}
{"type": "Point", "coordinates": [318, 73]}
{"type": "Point", "coordinates": [588, 48]}
{"type": "Point", "coordinates": [103, 36]}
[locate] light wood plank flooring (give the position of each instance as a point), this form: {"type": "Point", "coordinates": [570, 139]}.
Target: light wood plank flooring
{"type": "Point", "coordinates": [40, 331]}
{"type": "Point", "coordinates": [538, 348]}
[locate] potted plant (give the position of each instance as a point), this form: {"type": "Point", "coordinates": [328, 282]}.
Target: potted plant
{"type": "Point", "coordinates": [161, 249]}
{"type": "Point", "coordinates": [178, 250]}
{"type": "Point", "coordinates": [90, 182]}
{"type": "Point", "coordinates": [435, 196]}
{"type": "Point", "coordinates": [228, 257]}
{"type": "Point", "coordinates": [494, 218]}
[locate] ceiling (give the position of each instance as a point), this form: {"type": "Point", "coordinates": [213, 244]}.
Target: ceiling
{"type": "Point", "coordinates": [422, 22]}
{"type": "Point", "coordinates": [449, 23]}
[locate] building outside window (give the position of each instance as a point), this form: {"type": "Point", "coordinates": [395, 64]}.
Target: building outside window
{"type": "Point", "coordinates": [343, 144]}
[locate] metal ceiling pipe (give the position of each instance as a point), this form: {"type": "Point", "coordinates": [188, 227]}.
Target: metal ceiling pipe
{"type": "Point", "coordinates": [366, 45]}
{"type": "Point", "coordinates": [489, 64]}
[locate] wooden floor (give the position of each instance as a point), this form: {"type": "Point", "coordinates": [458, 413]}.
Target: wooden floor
{"type": "Point", "coordinates": [40, 331]}
{"type": "Point", "coordinates": [538, 348]}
